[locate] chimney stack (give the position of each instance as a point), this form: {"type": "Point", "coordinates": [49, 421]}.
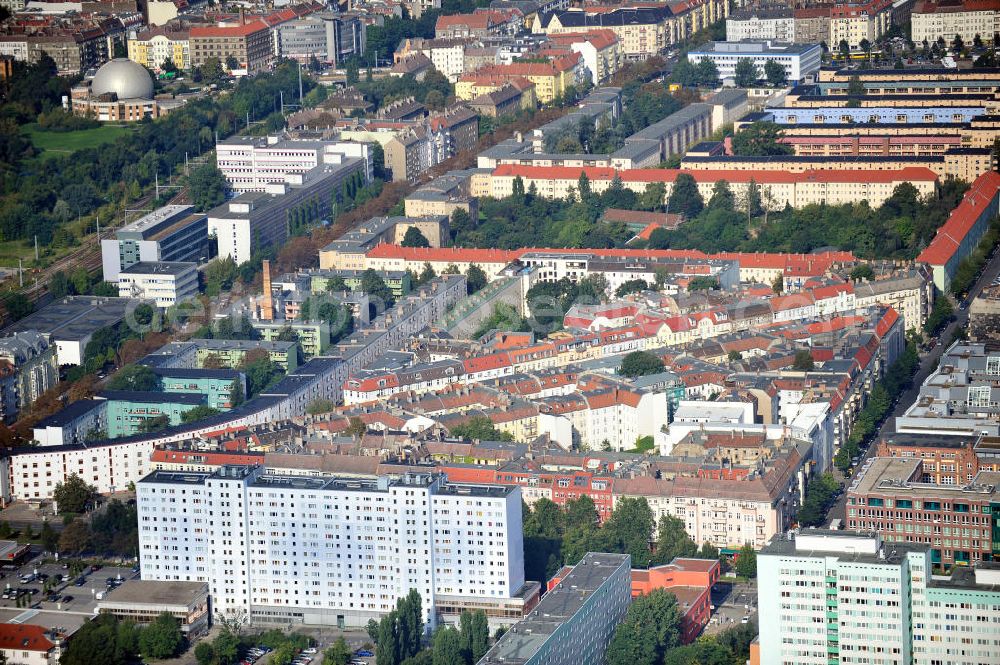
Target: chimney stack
{"type": "Point", "coordinates": [267, 303]}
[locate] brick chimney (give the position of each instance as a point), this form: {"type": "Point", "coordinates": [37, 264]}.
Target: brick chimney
{"type": "Point", "coordinates": [267, 303]}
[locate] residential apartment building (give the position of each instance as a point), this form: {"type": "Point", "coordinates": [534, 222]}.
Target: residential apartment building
{"type": "Point", "coordinates": [152, 48]}
{"type": "Point", "coordinates": [250, 43]}
{"type": "Point", "coordinates": [30, 368]}
{"type": "Point", "coordinates": [855, 21]}
{"type": "Point", "coordinates": [334, 551]}
{"type": "Point", "coordinates": [854, 597]}
{"type": "Point", "coordinates": [173, 233]}
{"type": "Point", "coordinates": [575, 621]}
{"type": "Point", "coordinates": [799, 60]}
{"type": "Point", "coordinates": [812, 24]}
{"type": "Point", "coordinates": [956, 522]}
{"type": "Point", "coordinates": [551, 78]}
{"type": "Point", "coordinates": [642, 31]}
{"type": "Point", "coordinates": [768, 24]}
{"type": "Point", "coordinates": [600, 49]}
{"type": "Point", "coordinates": [728, 513]}
{"type": "Point", "coordinates": [968, 19]}
{"type": "Point", "coordinates": [959, 236]}
{"type": "Point", "coordinates": [794, 189]}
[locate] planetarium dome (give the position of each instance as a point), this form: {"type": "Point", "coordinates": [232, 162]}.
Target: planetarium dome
{"type": "Point", "coordinates": [124, 78]}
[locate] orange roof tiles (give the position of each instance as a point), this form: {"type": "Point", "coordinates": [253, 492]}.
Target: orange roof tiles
{"type": "Point", "coordinates": [949, 237]}
{"type": "Point", "coordinates": [230, 31]}
{"type": "Point", "coordinates": [24, 637]}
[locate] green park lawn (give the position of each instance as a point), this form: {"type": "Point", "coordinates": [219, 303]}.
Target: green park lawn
{"type": "Point", "coordinates": [67, 142]}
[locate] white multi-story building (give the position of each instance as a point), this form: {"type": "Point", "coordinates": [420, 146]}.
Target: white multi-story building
{"type": "Point", "coordinates": [778, 24]}
{"type": "Point", "coordinates": [968, 19]}
{"type": "Point", "coordinates": [849, 597]}
{"type": "Point", "coordinates": [334, 551]}
{"type": "Point", "coordinates": [166, 283]}
{"type": "Point", "coordinates": [799, 60]}
{"type": "Point", "coordinates": [250, 163]}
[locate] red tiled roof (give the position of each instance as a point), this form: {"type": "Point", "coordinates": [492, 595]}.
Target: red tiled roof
{"type": "Point", "coordinates": [949, 237]}
{"type": "Point", "coordinates": [230, 31]}
{"type": "Point", "coordinates": [601, 39]}
{"type": "Point", "coordinates": [24, 637]}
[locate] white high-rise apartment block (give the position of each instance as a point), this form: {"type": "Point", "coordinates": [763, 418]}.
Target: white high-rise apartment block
{"type": "Point", "coordinates": [334, 551]}
{"type": "Point", "coordinates": [850, 598]}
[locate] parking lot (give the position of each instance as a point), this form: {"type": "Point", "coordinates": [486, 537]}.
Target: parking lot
{"type": "Point", "coordinates": [69, 601]}
{"type": "Point", "coordinates": [734, 602]}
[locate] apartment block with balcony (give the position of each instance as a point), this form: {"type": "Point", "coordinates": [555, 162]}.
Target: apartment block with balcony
{"type": "Point", "coordinates": [335, 551]}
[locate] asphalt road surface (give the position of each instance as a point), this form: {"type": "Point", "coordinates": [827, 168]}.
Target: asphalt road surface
{"type": "Point", "coordinates": [928, 363]}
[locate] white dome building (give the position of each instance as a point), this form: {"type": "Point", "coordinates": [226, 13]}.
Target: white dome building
{"type": "Point", "coordinates": [124, 79]}
{"type": "Point", "coordinates": [121, 91]}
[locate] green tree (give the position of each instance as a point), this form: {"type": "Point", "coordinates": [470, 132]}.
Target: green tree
{"type": "Point", "coordinates": [480, 428]}
{"type": "Point", "coordinates": [448, 648]}
{"type": "Point", "coordinates": [746, 73]}
{"type": "Point", "coordinates": [207, 186]}
{"type": "Point", "coordinates": [855, 86]}
{"type": "Point", "coordinates": [198, 412]}
{"type": "Point", "coordinates": [746, 562]}
{"type": "Point", "coordinates": [844, 48]}
{"type": "Point", "coordinates": [154, 424]}
{"type": "Point", "coordinates": [475, 279]}
{"type": "Point", "coordinates": [703, 283]}
{"type": "Point", "coordinates": [75, 537]}
{"type": "Point", "coordinates": [373, 284]}
{"type": "Point", "coordinates": [759, 139]}
{"type": "Point", "coordinates": [59, 285]}
{"type": "Point", "coordinates": [650, 628]}
{"type": "Point", "coordinates": [862, 271]}
{"type": "Point", "coordinates": [672, 541]}
{"type": "Point", "coordinates": [205, 654]}
{"type": "Point", "coordinates": [74, 495]}
{"type": "Point", "coordinates": [339, 653]}
{"type": "Point", "coordinates": [18, 306]}
{"type": "Point", "coordinates": [336, 284]}
{"type": "Point", "coordinates": [685, 197]}
{"type": "Point", "coordinates": [628, 529]}
{"type": "Point", "coordinates": [803, 361]}
{"type": "Point", "coordinates": [775, 73]}
{"type": "Point", "coordinates": [414, 237]}
{"type": "Point", "coordinates": [134, 377]}
{"type": "Point", "coordinates": [480, 635]}
{"type": "Point", "coordinates": [49, 537]}
{"type": "Point", "coordinates": [632, 286]}
{"type": "Point", "coordinates": [640, 363]}
{"type": "Point", "coordinates": [722, 197]}
{"type": "Point", "coordinates": [708, 73]}
{"type": "Point", "coordinates": [162, 638]}
{"type": "Point", "coordinates": [685, 73]}
{"type": "Point", "coordinates": [102, 641]}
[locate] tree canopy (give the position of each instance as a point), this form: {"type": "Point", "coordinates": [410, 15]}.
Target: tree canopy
{"type": "Point", "coordinates": [640, 363]}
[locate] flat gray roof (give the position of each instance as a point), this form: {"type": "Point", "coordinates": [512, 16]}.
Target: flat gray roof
{"type": "Point", "coordinates": [524, 640]}
{"type": "Point", "coordinates": [152, 592]}
{"type": "Point", "coordinates": [74, 317]}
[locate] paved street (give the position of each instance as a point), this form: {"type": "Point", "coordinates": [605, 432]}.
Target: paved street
{"type": "Point", "coordinates": [928, 363]}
